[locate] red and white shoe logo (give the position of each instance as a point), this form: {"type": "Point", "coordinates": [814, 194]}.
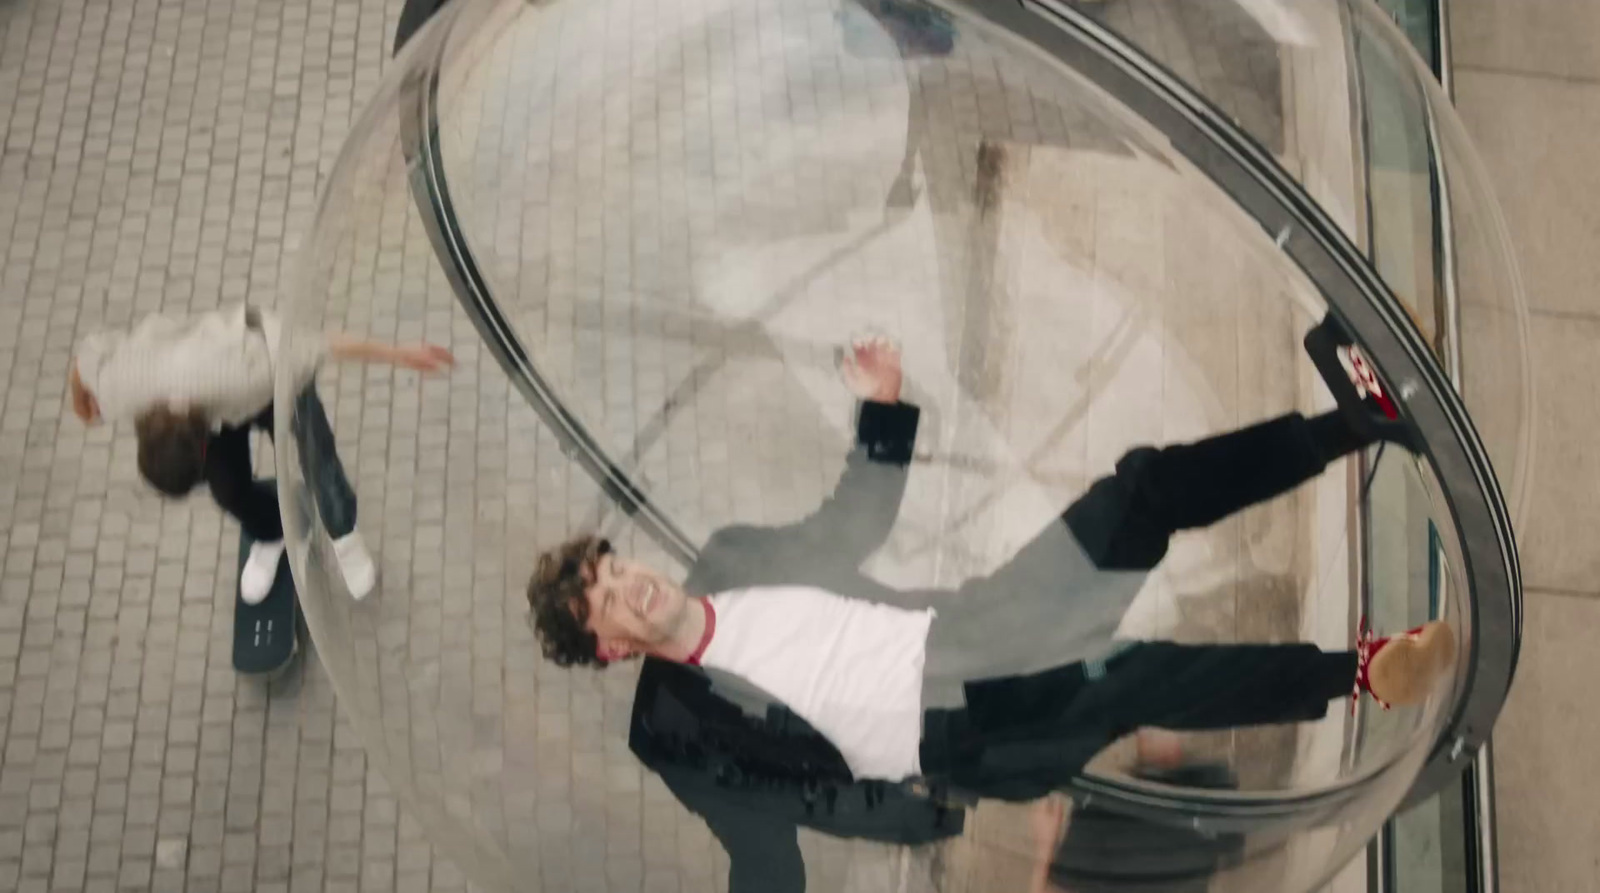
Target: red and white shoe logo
{"type": "Point", "coordinates": [1365, 378]}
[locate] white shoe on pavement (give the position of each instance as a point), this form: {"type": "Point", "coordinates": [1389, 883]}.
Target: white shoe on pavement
{"type": "Point", "coordinates": [360, 573]}
{"type": "Point", "coordinates": [260, 570]}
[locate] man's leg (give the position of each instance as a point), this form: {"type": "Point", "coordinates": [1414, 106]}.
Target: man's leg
{"type": "Point", "coordinates": [1055, 597]}
{"type": "Point", "coordinates": [233, 485]}
{"type": "Point", "coordinates": [1194, 687]}
{"type": "Point", "coordinates": [1020, 736]}
{"type": "Point", "coordinates": [319, 462]}
{"type": "Point", "coordinates": [330, 488]}
{"type": "Point", "coordinates": [1125, 520]}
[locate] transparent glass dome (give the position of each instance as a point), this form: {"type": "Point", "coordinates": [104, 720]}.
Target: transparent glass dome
{"type": "Point", "coordinates": [646, 231]}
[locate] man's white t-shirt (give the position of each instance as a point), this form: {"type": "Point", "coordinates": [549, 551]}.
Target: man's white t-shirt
{"type": "Point", "coordinates": [850, 668]}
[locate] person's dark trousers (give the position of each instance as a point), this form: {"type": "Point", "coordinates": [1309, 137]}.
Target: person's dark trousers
{"type": "Point", "coordinates": [413, 15]}
{"type": "Point", "coordinates": [1021, 737]}
{"type": "Point", "coordinates": [1195, 687]}
{"type": "Point", "coordinates": [1125, 520]}
{"type": "Point", "coordinates": [255, 504]}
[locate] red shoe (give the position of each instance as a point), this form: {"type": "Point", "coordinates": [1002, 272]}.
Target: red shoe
{"type": "Point", "coordinates": [1401, 670]}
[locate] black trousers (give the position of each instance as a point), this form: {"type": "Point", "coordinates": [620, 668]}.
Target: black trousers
{"type": "Point", "coordinates": [255, 504]}
{"type": "Point", "coordinates": [1018, 737]}
{"type": "Point", "coordinates": [1126, 519]}
{"type": "Point", "coordinates": [413, 15]}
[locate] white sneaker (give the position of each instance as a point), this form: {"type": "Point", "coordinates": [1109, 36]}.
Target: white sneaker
{"type": "Point", "coordinates": [360, 573]}
{"type": "Point", "coordinates": [260, 570]}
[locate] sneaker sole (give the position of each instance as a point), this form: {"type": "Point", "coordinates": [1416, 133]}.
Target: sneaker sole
{"type": "Point", "coordinates": [359, 592]}
{"type": "Point", "coordinates": [1405, 671]}
{"type": "Point", "coordinates": [1325, 346]}
{"type": "Point", "coordinates": [265, 593]}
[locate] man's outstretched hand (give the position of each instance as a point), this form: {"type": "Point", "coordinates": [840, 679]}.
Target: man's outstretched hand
{"type": "Point", "coordinates": [421, 357]}
{"type": "Point", "coordinates": [871, 370]}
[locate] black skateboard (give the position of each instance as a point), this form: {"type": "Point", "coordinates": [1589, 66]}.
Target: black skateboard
{"type": "Point", "coordinates": [265, 636]}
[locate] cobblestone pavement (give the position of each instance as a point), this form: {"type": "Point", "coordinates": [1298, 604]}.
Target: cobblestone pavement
{"type": "Point", "coordinates": [161, 155]}
{"type": "Point", "coordinates": [166, 155]}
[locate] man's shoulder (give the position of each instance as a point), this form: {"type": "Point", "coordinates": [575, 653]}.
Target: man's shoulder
{"type": "Point", "coordinates": [730, 548]}
{"type": "Point", "coordinates": [734, 535]}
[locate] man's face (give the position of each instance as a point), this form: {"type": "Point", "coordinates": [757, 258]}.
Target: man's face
{"type": "Point", "coordinates": [632, 609]}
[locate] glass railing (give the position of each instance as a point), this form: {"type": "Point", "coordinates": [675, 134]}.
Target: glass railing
{"type": "Point", "coordinates": [1444, 843]}
{"type": "Point", "coordinates": [1423, 24]}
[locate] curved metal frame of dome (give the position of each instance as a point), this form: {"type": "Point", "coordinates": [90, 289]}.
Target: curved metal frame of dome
{"type": "Point", "coordinates": [1280, 205]}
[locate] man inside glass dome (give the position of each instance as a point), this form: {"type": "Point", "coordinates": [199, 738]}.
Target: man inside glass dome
{"type": "Point", "coordinates": [195, 387]}
{"type": "Point", "coordinates": [1008, 685]}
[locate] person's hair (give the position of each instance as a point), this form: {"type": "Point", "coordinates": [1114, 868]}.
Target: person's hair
{"type": "Point", "coordinates": [556, 595]}
{"type": "Point", "coordinates": [172, 448]}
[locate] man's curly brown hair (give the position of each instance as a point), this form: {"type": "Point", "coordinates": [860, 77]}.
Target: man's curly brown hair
{"type": "Point", "coordinates": [560, 609]}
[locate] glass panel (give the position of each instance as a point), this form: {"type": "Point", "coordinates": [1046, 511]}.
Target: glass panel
{"type": "Point", "coordinates": [677, 214]}
{"type": "Point", "coordinates": [1427, 846]}
{"type": "Point", "coordinates": [1280, 71]}
{"type": "Point", "coordinates": [1409, 569]}
{"type": "Point", "coordinates": [1419, 19]}
{"type": "Point", "coordinates": [1428, 843]}
{"type": "Point", "coordinates": [1400, 180]}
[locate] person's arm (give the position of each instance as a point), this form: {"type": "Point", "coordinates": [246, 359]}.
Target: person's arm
{"type": "Point", "coordinates": [855, 520]}
{"type": "Point", "coordinates": [421, 357]}
{"type": "Point", "coordinates": [301, 352]}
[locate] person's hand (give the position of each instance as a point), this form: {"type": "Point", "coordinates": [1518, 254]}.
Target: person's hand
{"type": "Point", "coordinates": [871, 370]}
{"type": "Point", "coordinates": [84, 406]}
{"type": "Point", "coordinates": [424, 358]}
